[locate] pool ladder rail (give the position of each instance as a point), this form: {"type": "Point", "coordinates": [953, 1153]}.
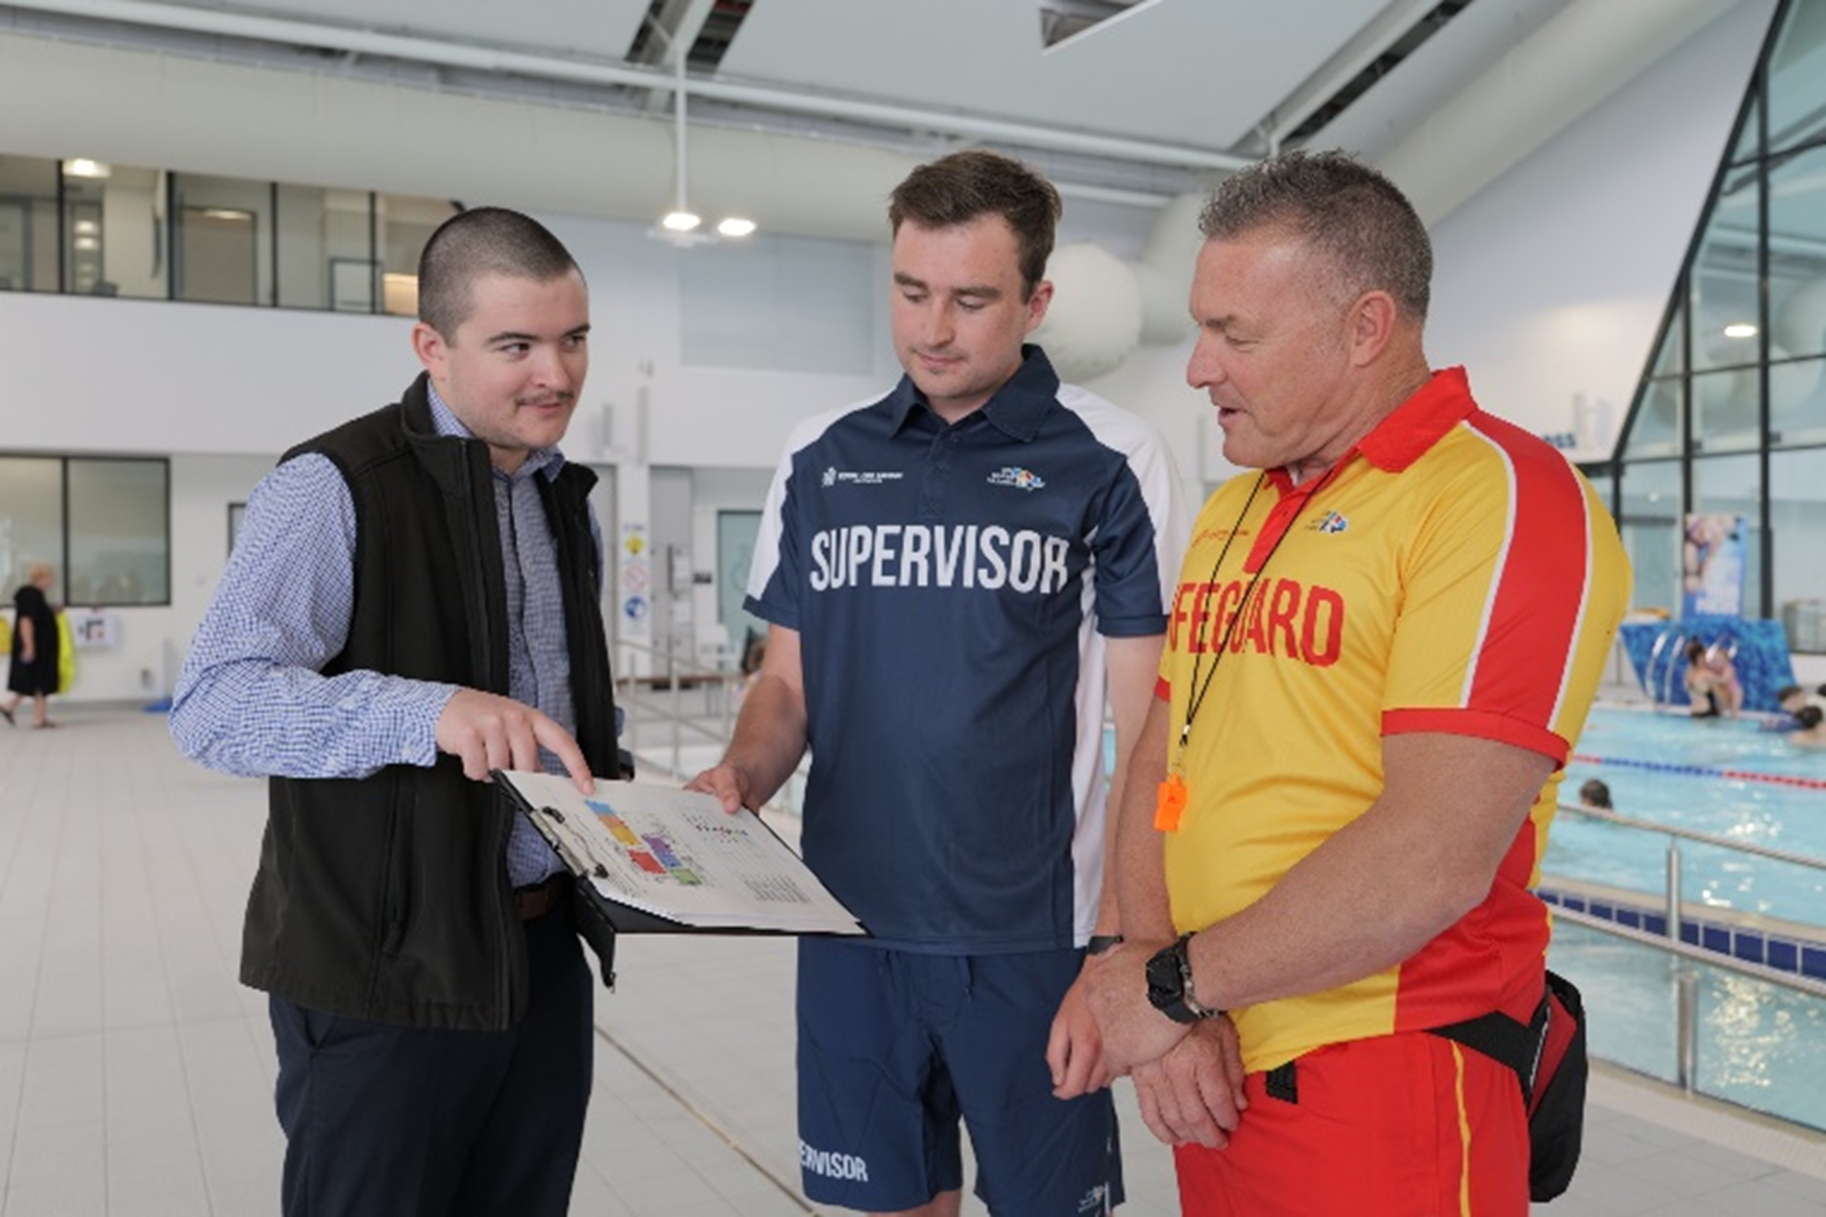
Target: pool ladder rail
{"type": "Point", "coordinates": [1684, 931]}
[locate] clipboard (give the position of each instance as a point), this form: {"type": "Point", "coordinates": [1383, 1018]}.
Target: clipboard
{"type": "Point", "coordinates": [658, 859]}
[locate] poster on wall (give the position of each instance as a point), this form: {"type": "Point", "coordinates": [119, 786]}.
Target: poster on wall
{"type": "Point", "coordinates": [1712, 566]}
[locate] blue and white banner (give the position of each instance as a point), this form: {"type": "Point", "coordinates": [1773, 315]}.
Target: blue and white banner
{"type": "Point", "coordinates": [1712, 566]}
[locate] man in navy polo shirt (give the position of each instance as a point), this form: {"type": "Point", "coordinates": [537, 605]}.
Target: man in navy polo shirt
{"type": "Point", "coordinates": [955, 576]}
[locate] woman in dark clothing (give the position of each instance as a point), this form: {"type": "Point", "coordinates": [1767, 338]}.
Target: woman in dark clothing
{"type": "Point", "coordinates": [33, 672]}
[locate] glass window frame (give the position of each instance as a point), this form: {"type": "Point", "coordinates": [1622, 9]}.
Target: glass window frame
{"type": "Point", "coordinates": [1768, 400]}
{"type": "Point", "coordinates": [65, 549]}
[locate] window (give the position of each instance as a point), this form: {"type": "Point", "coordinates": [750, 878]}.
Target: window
{"type": "Point", "coordinates": [31, 519]}
{"type": "Point", "coordinates": [1737, 384]}
{"type": "Point", "coordinates": [114, 232]}
{"type": "Point", "coordinates": [102, 523]}
{"type": "Point", "coordinates": [28, 224]}
{"type": "Point", "coordinates": [1650, 526]}
{"type": "Point", "coordinates": [222, 240]}
{"type": "Point", "coordinates": [94, 228]}
{"type": "Point", "coordinates": [1797, 517]}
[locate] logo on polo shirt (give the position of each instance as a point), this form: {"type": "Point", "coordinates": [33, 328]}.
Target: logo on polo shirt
{"type": "Point", "coordinates": [1333, 522]}
{"type": "Point", "coordinates": [855, 477]}
{"type": "Point", "coordinates": [1019, 478]}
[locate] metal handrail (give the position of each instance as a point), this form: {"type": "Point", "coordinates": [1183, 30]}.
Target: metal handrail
{"type": "Point", "coordinates": [1745, 847]}
{"type": "Point", "coordinates": [1675, 904]}
{"type": "Point", "coordinates": [1696, 954]}
{"type": "Point", "coordinates": [1648, 671]}
{"type": "Point", "coordinates": [672, 669]}
{"type": "Point", "coordinates": [1686, 1027]}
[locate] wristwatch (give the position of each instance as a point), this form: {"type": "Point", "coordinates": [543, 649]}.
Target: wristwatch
{"type": "Point", "coordinates": [1170, 984]}
{"type": "Point", "coordinates": [1100, 943]}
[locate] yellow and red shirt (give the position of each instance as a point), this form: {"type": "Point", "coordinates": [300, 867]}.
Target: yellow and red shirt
{"type": "Point", "coordinates": [1452, 573]}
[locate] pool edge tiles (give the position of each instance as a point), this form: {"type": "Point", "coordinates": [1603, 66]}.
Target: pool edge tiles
{"type": "Point", "coordinates": [1783, 946]}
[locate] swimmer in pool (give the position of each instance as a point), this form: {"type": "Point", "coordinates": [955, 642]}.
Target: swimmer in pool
{"type": "Point", "coordinates": [1812, 731]}
{"type": "Point", "coordinates": [1711, 681]}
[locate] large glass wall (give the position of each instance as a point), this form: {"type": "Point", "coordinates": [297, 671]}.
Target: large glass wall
{"type": "Point", "coordinates": [1730, 417]}
{"type": "Point", "coordinates": [28, 224]}
{"type": "Point", "coordinates": [1648, 516]}
{"type": "Point", "coordinates": [102, 523]}
{"type": "Point", "coordinates": [91, 228]}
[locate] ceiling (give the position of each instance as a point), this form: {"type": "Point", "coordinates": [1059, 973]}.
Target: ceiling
{"type": "Point", "coordinates": [804, 112]}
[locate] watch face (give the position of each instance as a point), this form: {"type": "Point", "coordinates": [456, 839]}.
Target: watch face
{"type": "Point", "coordinates": [1164, 985]}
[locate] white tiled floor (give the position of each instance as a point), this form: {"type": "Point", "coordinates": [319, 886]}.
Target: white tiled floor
{"type": "Point", "coordinates": [135, 1074]}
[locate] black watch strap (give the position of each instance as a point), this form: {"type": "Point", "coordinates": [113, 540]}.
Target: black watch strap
{"type": "Point", "coordinates": [1100, 943]}
{"type": "Point", "coordinates": [1169, 975]}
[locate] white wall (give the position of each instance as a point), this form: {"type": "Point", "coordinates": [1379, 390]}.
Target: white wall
{"type": "Point", "coordinates": [133, 376]}
{"type": "Point", "coordinates": [1550, 282]}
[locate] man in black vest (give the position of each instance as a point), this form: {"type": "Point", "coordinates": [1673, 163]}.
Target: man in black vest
{"type": "Point", "coordinates": [413, 600]}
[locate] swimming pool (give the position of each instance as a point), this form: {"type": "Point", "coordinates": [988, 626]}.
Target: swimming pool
{"type": "Point", "coordinates": [1717, 776]}
{"type": "Point", "coordinates": [1757, 1044]}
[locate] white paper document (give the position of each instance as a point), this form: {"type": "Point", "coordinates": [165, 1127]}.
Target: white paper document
{"type": "Point", "coordinates": [676, 854]}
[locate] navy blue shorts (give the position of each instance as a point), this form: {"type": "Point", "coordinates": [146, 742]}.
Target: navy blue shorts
{"type": "Point", "coordinates": [895, 1047]}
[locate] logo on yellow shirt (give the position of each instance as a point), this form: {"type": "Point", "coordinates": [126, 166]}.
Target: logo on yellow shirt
{"type": "Point", "coordinates": [1331, 521]}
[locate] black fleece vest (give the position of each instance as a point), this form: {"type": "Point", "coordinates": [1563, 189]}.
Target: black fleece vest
{"type": "Point", "coordinates": [386, 897]}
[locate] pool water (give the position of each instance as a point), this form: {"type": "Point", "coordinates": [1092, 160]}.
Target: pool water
{"type": "Point", "coordinates": [1758, 1044]}
{"type": "Point", "coordinates": [1718, 776]}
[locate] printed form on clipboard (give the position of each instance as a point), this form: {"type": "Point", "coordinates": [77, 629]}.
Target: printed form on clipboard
{"type": "Point", "coordinates": [678, 856]}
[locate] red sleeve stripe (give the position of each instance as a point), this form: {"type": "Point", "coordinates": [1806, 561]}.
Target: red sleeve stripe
{"type": "Point", "coordinates": [1529, 634]}
{"type": "Point", "coordinates": [1483, 725]}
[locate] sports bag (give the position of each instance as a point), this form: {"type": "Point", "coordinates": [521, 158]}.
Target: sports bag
{"type": "Point", "coordinates": [1548, 1056]}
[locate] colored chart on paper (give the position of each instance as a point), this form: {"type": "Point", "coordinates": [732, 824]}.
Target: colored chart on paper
{"type": "Point", "coordinates": [678, 855]}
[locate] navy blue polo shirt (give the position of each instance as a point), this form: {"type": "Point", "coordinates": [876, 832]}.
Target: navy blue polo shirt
{"type": "Point", "coordinates": [951, 586]}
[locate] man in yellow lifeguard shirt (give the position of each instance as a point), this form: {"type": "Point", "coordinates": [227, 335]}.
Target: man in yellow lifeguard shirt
{"type": "Point", "coordinates": [1382, 648]}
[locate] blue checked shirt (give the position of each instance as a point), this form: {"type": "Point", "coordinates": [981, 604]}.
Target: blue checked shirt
{"type": "Point", "coordinates": [251, 699]}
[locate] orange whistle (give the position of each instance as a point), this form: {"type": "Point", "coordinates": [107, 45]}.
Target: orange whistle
{"type": "Point", "coordinates": [1170, 804]}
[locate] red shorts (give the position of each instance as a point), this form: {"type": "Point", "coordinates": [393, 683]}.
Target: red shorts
{"type": "Point", "coordinates": [1409, 1125]}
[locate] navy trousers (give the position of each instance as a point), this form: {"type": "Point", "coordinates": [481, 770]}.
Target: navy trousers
{"type": "Point", "coordinates": [395, 1120]}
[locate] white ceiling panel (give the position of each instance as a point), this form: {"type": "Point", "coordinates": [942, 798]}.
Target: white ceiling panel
{"type": "Point", "coordinates": [1196, 72]}
{"type": "Point", "coordinates": [819, 105]}
{"type": "Point", "coordinates": [597, 28]}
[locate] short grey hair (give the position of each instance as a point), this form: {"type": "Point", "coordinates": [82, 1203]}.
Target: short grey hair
{"type": "Point", "coordinates": [1363, 229]}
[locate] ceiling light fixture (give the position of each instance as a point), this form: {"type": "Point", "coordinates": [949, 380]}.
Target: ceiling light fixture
{"type": "Point", "coordinates": [82, 166]}
{"type": "Point", "coordinates": [1740, 329]}
{"type": "Point", "coordinates": [682, 226]}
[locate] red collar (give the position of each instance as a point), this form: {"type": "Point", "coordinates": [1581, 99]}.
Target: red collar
{"type": "Point", "coordinates": [1408, 432]}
